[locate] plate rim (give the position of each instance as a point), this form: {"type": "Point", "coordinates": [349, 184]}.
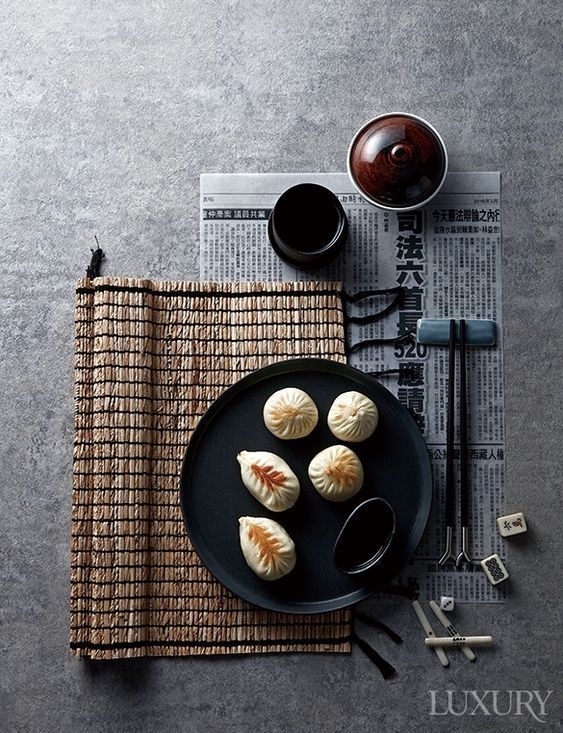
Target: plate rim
{"type": "Point", "coordinates": [206, 557]}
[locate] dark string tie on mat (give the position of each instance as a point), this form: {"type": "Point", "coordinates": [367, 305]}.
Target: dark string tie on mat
{"type": "Point", "coordinates": [387, 670]}
{"type": "Point", "coordinates": [397, 298]}
{"type": "Point", "coordinates": [98, 255]}
{"type": "Point", "coordinates": [94, 268]}
{"type": "Point", "coordinates": [408, 590]}
{"type": "Point", "coordinates": [398, 294]}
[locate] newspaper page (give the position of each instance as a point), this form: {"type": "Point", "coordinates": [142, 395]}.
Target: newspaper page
{"type": "Point", "coordinates": [447, 256]}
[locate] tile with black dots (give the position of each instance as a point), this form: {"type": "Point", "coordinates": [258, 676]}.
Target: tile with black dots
{"type": "Point", "coordinates": [494, 569]}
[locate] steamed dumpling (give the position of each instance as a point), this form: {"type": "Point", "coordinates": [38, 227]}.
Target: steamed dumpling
{"type": "Point", "coordinates": [336, 473]}
{"type": "Point", "coordinates": [290, 413]}
{"type": "Point", "coordinates": [353, 417]}
{"type": "Point", "coordinates": [269, 479]}
{"type": "Point", "coordinates": [267, 548]}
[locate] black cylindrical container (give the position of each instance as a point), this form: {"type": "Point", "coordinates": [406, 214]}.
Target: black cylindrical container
{"type": "Point", "coordinates": [307, 226]}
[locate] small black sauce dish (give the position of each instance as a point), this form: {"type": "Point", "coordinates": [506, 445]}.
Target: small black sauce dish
{"type": "Point", "coordinates": [366, 537]}
{"type": "Point", "coordinates": [307, 226]}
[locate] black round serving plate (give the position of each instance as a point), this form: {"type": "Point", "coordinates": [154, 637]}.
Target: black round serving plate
{"type": "Point", "coordinates": [213, 497]}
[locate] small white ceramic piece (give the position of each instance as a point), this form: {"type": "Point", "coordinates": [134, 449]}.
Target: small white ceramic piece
{"type": "Point", "coordinates": [451, 629]}
{"type": "Point", "coordinates": [429, 631]}
{"type": "Point", "coordinates": [447, 603]}
{"type": "Point", "coordinates": [512, 524]}
{"type": "Point", "coordinates": [494, 569]}
{"type": "Point", "coordinates": [443, 641]}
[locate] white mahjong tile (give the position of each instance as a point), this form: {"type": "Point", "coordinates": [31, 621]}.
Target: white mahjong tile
{"type": "Point", "coordinates": [512, 524]}
{"type": "Point", "coordinates": [494, 569]}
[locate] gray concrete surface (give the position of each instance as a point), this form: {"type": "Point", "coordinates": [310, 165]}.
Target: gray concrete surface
{"type": "Point", "coordinates": [108, 113]}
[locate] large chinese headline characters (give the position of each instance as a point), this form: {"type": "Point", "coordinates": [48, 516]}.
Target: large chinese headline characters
{"type": "Point", "coordinates": [410, 267]}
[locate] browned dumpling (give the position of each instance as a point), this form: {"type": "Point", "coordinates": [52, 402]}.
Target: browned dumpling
{"type": "Point", "coordinates": [267, 548]}
{"type": "Point", "coordinates": [290, 414]}
{"type": "Point", "coordinates": [353, 417]}
{"type": "Point", "coordinates": [336, 473]}
{"type": "Point", "coordinates": [269, 479]}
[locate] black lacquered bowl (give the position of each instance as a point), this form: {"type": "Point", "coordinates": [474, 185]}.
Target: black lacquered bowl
{"type": "Point", "coordinates": [213, 497]}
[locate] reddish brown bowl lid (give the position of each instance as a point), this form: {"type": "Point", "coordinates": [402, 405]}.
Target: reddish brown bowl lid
{"type": "Point", "coordinates": [397, 161]}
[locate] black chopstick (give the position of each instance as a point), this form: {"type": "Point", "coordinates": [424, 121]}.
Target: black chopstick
{"type": "Point", "coordinates": [450, 439]}
{"type": "Point", "coordinates": [464, 452]}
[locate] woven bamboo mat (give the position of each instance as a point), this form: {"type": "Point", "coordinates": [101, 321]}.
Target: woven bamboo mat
{"type": "Point", "coordinates": [150, 359]}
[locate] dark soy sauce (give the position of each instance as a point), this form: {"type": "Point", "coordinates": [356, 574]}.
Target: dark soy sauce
{"type": "Point", "coordinates": [365, 536]}
{"type": "Point", "coordinates": [306, 219]}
